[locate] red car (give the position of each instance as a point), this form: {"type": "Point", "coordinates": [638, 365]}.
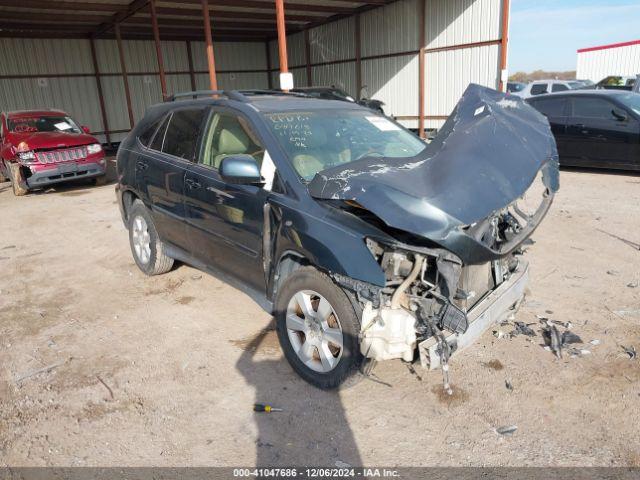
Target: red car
{"type": "Point", "coordinates": [43, 147]}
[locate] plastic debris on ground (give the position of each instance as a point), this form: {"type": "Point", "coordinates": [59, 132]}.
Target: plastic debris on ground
{"type": "Point", "coordinates": [522, 329]}
{"type": "Point", "coordinates": [631, 351]}
{"type": "Point", "coordinates": [553, 339]}
{"type": "Point", "coordinates": [507, 430]}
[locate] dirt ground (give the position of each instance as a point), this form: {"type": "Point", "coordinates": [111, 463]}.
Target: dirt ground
{"type": "Point", "coordinates": [164, 371]}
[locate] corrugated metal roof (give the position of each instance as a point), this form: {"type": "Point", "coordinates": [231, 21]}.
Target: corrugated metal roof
{"type": "Point", "coordinates": [251, 19]}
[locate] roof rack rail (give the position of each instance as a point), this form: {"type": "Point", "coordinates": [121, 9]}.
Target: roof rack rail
{"type": "Point", "coordinates": [231, 94]}
{"type": "Point", "coordinates": [272, 92]}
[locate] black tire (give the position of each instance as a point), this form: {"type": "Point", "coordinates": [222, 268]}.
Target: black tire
{"type": "Point", "coordinates": [308, 278]}
{"type": "Point", "coordinates": [158, 262]}
{"type": "Point", "coordinates": [17, 182]}
{"type": "Point", "coordinates": [99, 181]}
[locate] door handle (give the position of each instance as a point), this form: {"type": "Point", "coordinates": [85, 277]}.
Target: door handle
{"type": "Point", "coordinates": [140, 166]}
{"type": "Point", "coordinates": [221, 193]}
{"type": "Point", "coordinates": [192, 183]}
{"type": "Point", "coordinates": [578, 125]}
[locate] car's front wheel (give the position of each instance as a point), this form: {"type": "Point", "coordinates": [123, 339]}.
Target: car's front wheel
{"type": "Point", "coordinates": [147, 248]}
{"type": "Point", "coordinates": [17, 182]}
{"type": "Point", "coordinates": [318, 328]}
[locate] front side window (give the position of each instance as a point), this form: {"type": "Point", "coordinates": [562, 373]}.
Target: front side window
{"type": "Point", "coordinates": [592, 108]}
{"type": "Point", "coordinates": [183, 132]}
{"type": "Point", "coordinates": [228, 135]}
{"type": "Point", "coordinates": [559, 87]}
{"type": "Point", "coordinates": [43, 124]}
{"type": "Point", "coordinates": [539, 88]}
{"type": "Point", "coordinates": [321, 139]}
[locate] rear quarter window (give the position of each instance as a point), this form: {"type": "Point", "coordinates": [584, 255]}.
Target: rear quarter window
{"type": "Point", "coordinates": [147, 134]}
{"type": "Point", "coordinates": [158, 139]}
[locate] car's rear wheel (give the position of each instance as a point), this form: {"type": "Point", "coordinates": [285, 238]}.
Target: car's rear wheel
{"type": "Point", "coordinates": [147, 248]}
{"type": "Point", "coordinates": [17, 182]}
{"type": "Point", "coordinates": [318, 328]}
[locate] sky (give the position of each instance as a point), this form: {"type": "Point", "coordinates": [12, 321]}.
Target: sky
{"type": "Point", "coordinates": [545, 34]}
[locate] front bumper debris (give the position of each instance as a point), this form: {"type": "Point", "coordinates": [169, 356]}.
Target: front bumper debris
{"type": "Point", "coordinates": [65, 172]}
{"type": "Point", "coordinates": [491, 309]}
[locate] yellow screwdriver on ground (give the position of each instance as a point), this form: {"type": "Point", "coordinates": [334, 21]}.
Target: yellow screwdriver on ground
{"type": "Point", "coordinates": [259, 407]}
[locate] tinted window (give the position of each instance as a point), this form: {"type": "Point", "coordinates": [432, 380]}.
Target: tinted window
{"type": "Point", "coordinates": [551, 107]}
{"type": "Point", "coordinates": [147, 135]}
{"type": "Point", "coordinates": [182, 134]}
{"type": "Point", "coordinates": [592, 107]}
{"type": "Point", "coordinates": [159, 138]}
{"type": "Point", "coordinates": [538, 88]}
{"type": "Point", "coordinates": [559, 87]}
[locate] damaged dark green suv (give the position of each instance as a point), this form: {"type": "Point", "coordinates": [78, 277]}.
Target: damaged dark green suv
{"type": "Point", "coordinates": [362, 240]}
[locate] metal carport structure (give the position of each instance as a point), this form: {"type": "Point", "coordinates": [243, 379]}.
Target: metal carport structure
{"type": "Point", "coordinates": [105, 61]}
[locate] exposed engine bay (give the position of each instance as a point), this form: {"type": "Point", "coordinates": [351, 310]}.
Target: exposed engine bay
{"type": "Point", "coordinates": [429, 292]}
{"type": "Point", "coordinates": [454, 222]}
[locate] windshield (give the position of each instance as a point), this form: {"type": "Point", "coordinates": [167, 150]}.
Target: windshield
{"type": "Point", "coordinates": [631, 100]}
{"type": "Point", "coordinates": [317, 140]}
{"type": "Point", "coordinates": [43, 124]}
{"type": "Point", "coordinates": [575, 85]}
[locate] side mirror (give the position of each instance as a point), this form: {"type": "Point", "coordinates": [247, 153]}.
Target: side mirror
{"type": "Point", "coordinates": [240, 170]}
{"type": "Point", "coordinates": [619, 115]}
{"type": "Point", "coordinates": [86, 129]}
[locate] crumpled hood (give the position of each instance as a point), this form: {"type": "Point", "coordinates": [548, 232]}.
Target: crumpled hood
{"type": "Point", "coordinates": [39, 140]}
{"type": "Point", "coordinates": [486, 155]}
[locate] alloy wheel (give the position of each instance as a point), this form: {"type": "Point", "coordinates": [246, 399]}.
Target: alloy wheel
{"type": "Point", "coordinates": [314, 331]}
{"type": "Point", "coordinates": [141, 239]}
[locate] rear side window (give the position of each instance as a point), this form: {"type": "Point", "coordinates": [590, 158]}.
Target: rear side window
{"type": "Point", "coordinates": [551, 107]}
{"type": "Point", "coordinates": [181, 138]}
{"type": "Point", "coordinates": [592, 108]}
{"type": "Point", "coordinates": [539, 88]}
{"type": "Point", "coordinates": [559, 87]}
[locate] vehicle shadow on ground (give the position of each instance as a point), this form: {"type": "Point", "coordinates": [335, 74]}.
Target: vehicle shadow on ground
{"type": "Point", "coordinates": [312, 429]}
{"type": "Point", "coordinates": [603, 171]}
